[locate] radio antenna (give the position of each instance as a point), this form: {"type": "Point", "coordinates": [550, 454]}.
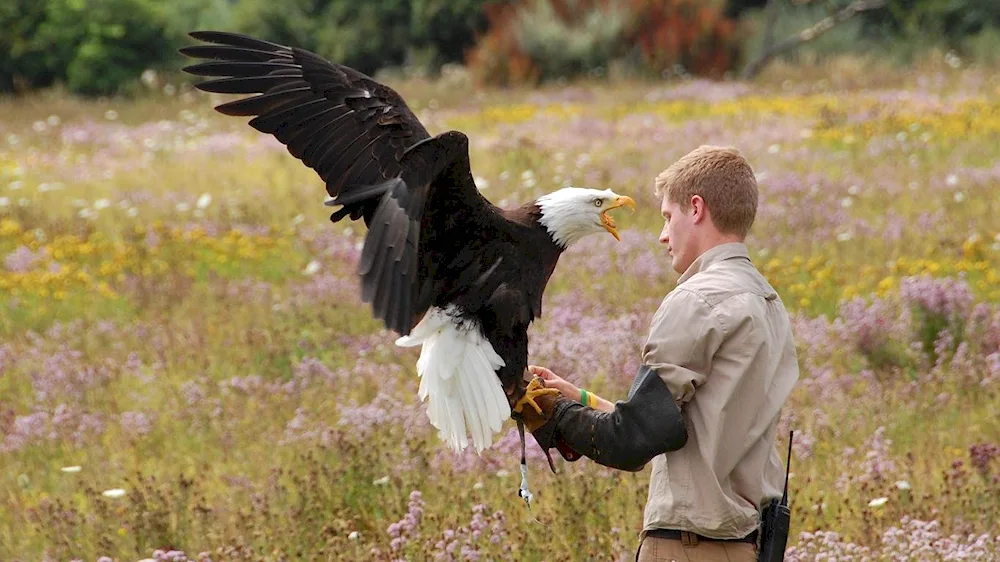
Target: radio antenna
{"type": "Point", "coordinates": [788, 468]}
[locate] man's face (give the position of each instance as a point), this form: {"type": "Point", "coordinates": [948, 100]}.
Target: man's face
{"type": "Point", "coordinates": [677, 234]}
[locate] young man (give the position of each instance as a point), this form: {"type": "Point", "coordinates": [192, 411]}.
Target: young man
{"type": "Point", "coordinates": [718, 366]}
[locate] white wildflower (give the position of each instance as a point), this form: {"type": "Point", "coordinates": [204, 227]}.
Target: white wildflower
{"type": "Point", "coordinates": [71, 468]}
{"type": "Point", "coordinates": [204, 201]}
{"type": "Point", "coordinates": [113, 493]}
{"type": "Point", "coordinates": [311, 268]}
{"type": "Point", "coordinates": [381, 481]}
{"type": "Point", "coordinates": [354, 535]}
{"type": "Point", "coordinates": [878, 502]}
{"type": "Point", "coordinates": [902, 484]}
{"type": "Point", "coordinates": [148, 77]}
{"type": "Point", "coordinates": [111, 115]}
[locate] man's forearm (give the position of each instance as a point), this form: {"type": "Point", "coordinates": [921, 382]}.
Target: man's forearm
{"type": "Point", "coordinates": [593, 400]}
{"type": "Point", "coordinates": [603, 405]}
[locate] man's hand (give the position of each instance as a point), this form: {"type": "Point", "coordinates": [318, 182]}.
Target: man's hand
{"type": "Point", "coordinates": [568, 389]}
{"type": "Point", "coordinates": [552, 380]}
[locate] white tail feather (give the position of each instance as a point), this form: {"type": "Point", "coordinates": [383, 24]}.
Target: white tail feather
{"type": "Point", "coordinates": [457, 369]}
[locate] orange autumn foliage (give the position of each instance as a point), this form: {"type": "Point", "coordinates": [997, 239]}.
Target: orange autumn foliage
{"type": "Point", "coordinates": [659, 36]}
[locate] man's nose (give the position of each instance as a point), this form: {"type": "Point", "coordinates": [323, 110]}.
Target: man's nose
{"type": "Point", "coordinates": [664, 237]}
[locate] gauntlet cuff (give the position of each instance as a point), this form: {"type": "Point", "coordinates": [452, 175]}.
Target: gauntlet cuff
{"type": "Point", "coordinates": [647, 424]}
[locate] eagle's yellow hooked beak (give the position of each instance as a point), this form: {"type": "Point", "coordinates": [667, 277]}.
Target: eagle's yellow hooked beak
{"type": "Point", "coordinates": [608, 222]}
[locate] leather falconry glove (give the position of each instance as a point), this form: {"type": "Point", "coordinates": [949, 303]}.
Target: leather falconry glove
{"type": "Point", "coordinates": [645, 425]}
{"type": "Point", "coordinates": [534, 419]}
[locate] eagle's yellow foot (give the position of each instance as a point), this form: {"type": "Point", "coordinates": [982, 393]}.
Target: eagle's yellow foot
{"type": "Point", "coordinates": [534, 390]}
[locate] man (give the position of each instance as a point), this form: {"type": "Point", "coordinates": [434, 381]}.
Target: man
{"type": "Point", "coordinates": [716, 370]}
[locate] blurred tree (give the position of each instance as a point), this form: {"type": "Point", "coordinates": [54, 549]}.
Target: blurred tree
{"type": "Point", "coordinates": [93, 46]}
{"type": "Point", "coordinates": [736, 8]}
{"type": "Point", "coordinates": [442, 31]}
{"type": "Point", "coordinates": [24, 62]}
{"type": "Point", "coordinates": [535, 40]}
{"type": "Point", "coordinates": [101, 46]}
{"type": "Point", "coordinates": [770, 49]}
{"type": "Point", "coordinates": [945, 20]}
{"type": "Point", "coordinates": [372, 34]}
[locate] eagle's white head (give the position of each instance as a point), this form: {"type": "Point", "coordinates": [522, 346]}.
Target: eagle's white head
{"type": "Point", "coordinates": [571, 213]}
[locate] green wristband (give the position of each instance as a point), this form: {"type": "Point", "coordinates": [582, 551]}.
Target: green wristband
{"type": "Point", "coordinates": [583, 397]}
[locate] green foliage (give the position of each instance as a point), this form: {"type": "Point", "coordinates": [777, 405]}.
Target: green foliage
{"type": "Point", "coordinates": [92, 46]}
{"type": "Point", "coordinates": [983, 47]}
{"type": "Point", "coordinates": [102, 46]}
{"type": "Point", "coordinates": [945, 20]}
{"type": "Point", "coordinates": [368, 35]}
{"type": "Point", "coordinates": [444, 29]}
{"type": "Point", "coordinates": [844, 38]}
{"type": "Point", "coordinates": [564, 49]}
{"type": "Point", "coordinates": [22, 60]}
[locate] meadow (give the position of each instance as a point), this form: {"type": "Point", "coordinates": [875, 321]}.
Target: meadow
{"type": "Point", "coordinates": [187, 371]}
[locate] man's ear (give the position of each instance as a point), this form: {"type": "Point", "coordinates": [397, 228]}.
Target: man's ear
{"type": "Point", "coordinates": [698, 209]}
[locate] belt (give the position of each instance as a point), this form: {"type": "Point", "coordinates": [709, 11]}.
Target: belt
{"type": "Point", "coordinates": [688, 537]}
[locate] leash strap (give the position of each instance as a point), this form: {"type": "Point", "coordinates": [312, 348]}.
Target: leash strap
{"type": "Point", "coordinates": [523, 491]}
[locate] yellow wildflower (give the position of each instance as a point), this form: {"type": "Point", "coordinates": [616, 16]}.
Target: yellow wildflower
{"type": "Point", "coordinates": [9, 227]}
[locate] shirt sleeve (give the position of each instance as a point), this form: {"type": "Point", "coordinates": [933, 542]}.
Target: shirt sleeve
{"type": "Point", "coordinates": [683, 336]}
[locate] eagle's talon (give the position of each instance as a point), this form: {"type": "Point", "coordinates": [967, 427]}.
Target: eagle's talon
{"type": "Point", "coordinates": [533, 391]}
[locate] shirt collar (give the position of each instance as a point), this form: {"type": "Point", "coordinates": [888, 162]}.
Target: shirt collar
{"type": "Point", "coordinates": [713, 256]}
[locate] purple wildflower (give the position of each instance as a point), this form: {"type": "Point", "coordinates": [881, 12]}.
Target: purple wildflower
{"type": "Point", "coordinates": [21, 259]}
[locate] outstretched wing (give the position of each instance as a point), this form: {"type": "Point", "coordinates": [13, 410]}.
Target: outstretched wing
{"type": "Point", "coordinates": [428, 224]}
{"type": "Point", "coordinates": [350, 129]}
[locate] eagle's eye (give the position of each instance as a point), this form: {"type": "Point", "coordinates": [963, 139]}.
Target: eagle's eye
{"type": "Point", "coordinates": [598, 202]}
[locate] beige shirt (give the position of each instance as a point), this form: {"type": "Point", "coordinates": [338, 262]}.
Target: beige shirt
{"type": "Point", "coordinates": [722, 341]}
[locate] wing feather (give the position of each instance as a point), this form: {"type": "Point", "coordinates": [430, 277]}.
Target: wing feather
{"type": "Point", "coordinates": [299, 94]}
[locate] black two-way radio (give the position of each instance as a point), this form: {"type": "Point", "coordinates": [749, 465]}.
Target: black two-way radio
{"type": "Point", "coordinates": [775, 520]}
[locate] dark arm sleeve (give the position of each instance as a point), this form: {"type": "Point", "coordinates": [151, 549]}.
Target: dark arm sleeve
{"type": "Point", "coordinates": [647, 424]}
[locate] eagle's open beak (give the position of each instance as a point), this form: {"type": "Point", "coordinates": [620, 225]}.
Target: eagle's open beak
{"type": "Point", "coordinates": [608, 222]}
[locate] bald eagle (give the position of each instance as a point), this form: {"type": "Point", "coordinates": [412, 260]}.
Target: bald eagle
{"type": "Point", "coordinates": [441, 266]}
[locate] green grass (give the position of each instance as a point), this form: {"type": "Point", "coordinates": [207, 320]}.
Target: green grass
{"type": "Point", "coordinates": [169, 362]}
